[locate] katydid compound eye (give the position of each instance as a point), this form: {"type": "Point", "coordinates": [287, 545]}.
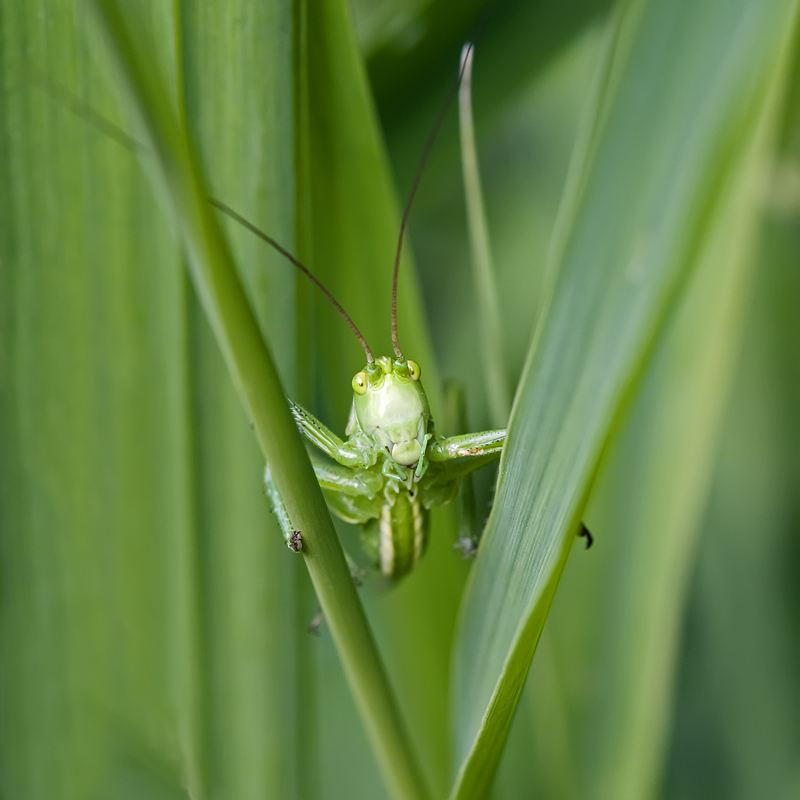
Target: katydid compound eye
{"type": "Point", "coordinates": [360, 383]}
{"type": "Point", "coordinates": [414, 370]}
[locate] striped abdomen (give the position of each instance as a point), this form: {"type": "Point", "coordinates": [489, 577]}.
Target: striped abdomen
{"type": "Point", "coordinates": [400, 533]}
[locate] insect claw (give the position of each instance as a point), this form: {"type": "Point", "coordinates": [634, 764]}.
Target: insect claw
{"type": "Point", "coordinates": [467, 546]}
{"type": "Point", "coordinates": [295, 542]}
{"type": "Point", "coordinates": [589, 538]}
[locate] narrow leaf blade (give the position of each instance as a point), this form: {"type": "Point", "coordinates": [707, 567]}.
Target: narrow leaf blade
{"type": "Point", "coordinates": [652, 178]}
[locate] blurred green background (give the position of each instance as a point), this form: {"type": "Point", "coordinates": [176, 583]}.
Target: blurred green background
{"type": "Point", "coordinates": [152, 624]}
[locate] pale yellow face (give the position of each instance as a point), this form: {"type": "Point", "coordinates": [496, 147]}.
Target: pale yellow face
{"type": "Point", "coordinates": [391, 407]}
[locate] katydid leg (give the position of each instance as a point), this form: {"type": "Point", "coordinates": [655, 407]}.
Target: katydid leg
{"type": "Point", "coordinates": [292, 537]}
{"type": "Point", "coordinates": [354, 495]}
{"type": "Point", "coordinates": [348, 453]}
{"type": "Point", "coordinates": [468, 534]}
{"type": "Point", "coordinates": [471, 450]}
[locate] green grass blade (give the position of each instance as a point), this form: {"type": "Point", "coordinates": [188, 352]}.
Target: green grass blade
{"type": "Point", "coordinates": [254, 375]}
{"type": "Point", "coordinates": [352, 228]}
{"type": "Point", "coordinates": [256, 700]}
{"type": "Point", "coordinates": [95, 501]}
{"type": "Point", "coordinates": [657, 164]}
{"type": "Point", "coordinates": [738, 687]}
{"type": "Point", "coordinates": [493, 353]}
{"type": "Point", "coordinates": [620, 607]}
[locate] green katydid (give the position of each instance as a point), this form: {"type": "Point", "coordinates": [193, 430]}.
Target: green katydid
{"type": "Point", "coordinates": [394, 466]}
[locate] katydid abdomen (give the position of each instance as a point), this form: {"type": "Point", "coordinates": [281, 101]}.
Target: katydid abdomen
{"type": "Point", "coordinates": [396, 540]}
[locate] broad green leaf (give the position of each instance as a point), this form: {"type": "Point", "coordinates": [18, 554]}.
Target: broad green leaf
{"type": "Point", "coordinates": [187, 470]}
{"type": "Point", "coordinates": [738, 688]}
{"type": "Point", "coordinates": [652, 177]}
{"type": "Point", "coordinates": [255, 715]}
{"type": "Point", "coordinates": [354, 214]}
{"type": "Point", "coordinates": [95, 509]}
{"type": "Point", "coordinates": [736, 734]}
{"type": "Point", "coordinates": [615, 627]}
{"type": "Point", "coordinates": [253, 374]}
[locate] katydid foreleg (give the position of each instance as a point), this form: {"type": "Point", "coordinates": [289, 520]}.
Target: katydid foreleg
{"type": "Point", "coordinates": [455, 419]}
{"type": "Point", "coordinates": [350, 453]}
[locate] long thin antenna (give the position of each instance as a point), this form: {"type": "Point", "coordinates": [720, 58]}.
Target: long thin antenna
{"type": "Point", "coordinates": [113, 131]}
{"type": "Point", "coordinates": [225, 209]}
{"type": "Point", "coordinates": [72, 102]}
{"type": "Point", "coordinates": [414, 186]}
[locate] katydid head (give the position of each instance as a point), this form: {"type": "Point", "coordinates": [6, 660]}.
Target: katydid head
{"type": "Point", "coordinates": [391, 407]}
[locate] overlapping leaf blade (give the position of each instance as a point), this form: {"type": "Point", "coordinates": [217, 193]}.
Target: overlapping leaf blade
{"type": "Point", "coordinates": [251, 597]}
{"type": "Point", "coordinates": [252, 372]}
{"type": "Point", "coordinates": [615, 627]}
{"type": "Point", "coordinates": [657, 162]}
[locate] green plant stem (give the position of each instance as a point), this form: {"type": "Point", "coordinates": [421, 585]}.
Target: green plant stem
{"type": "Point", "coordinates": [493, 353]}
{"type": "Point", "coordinates": [254, 375]}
